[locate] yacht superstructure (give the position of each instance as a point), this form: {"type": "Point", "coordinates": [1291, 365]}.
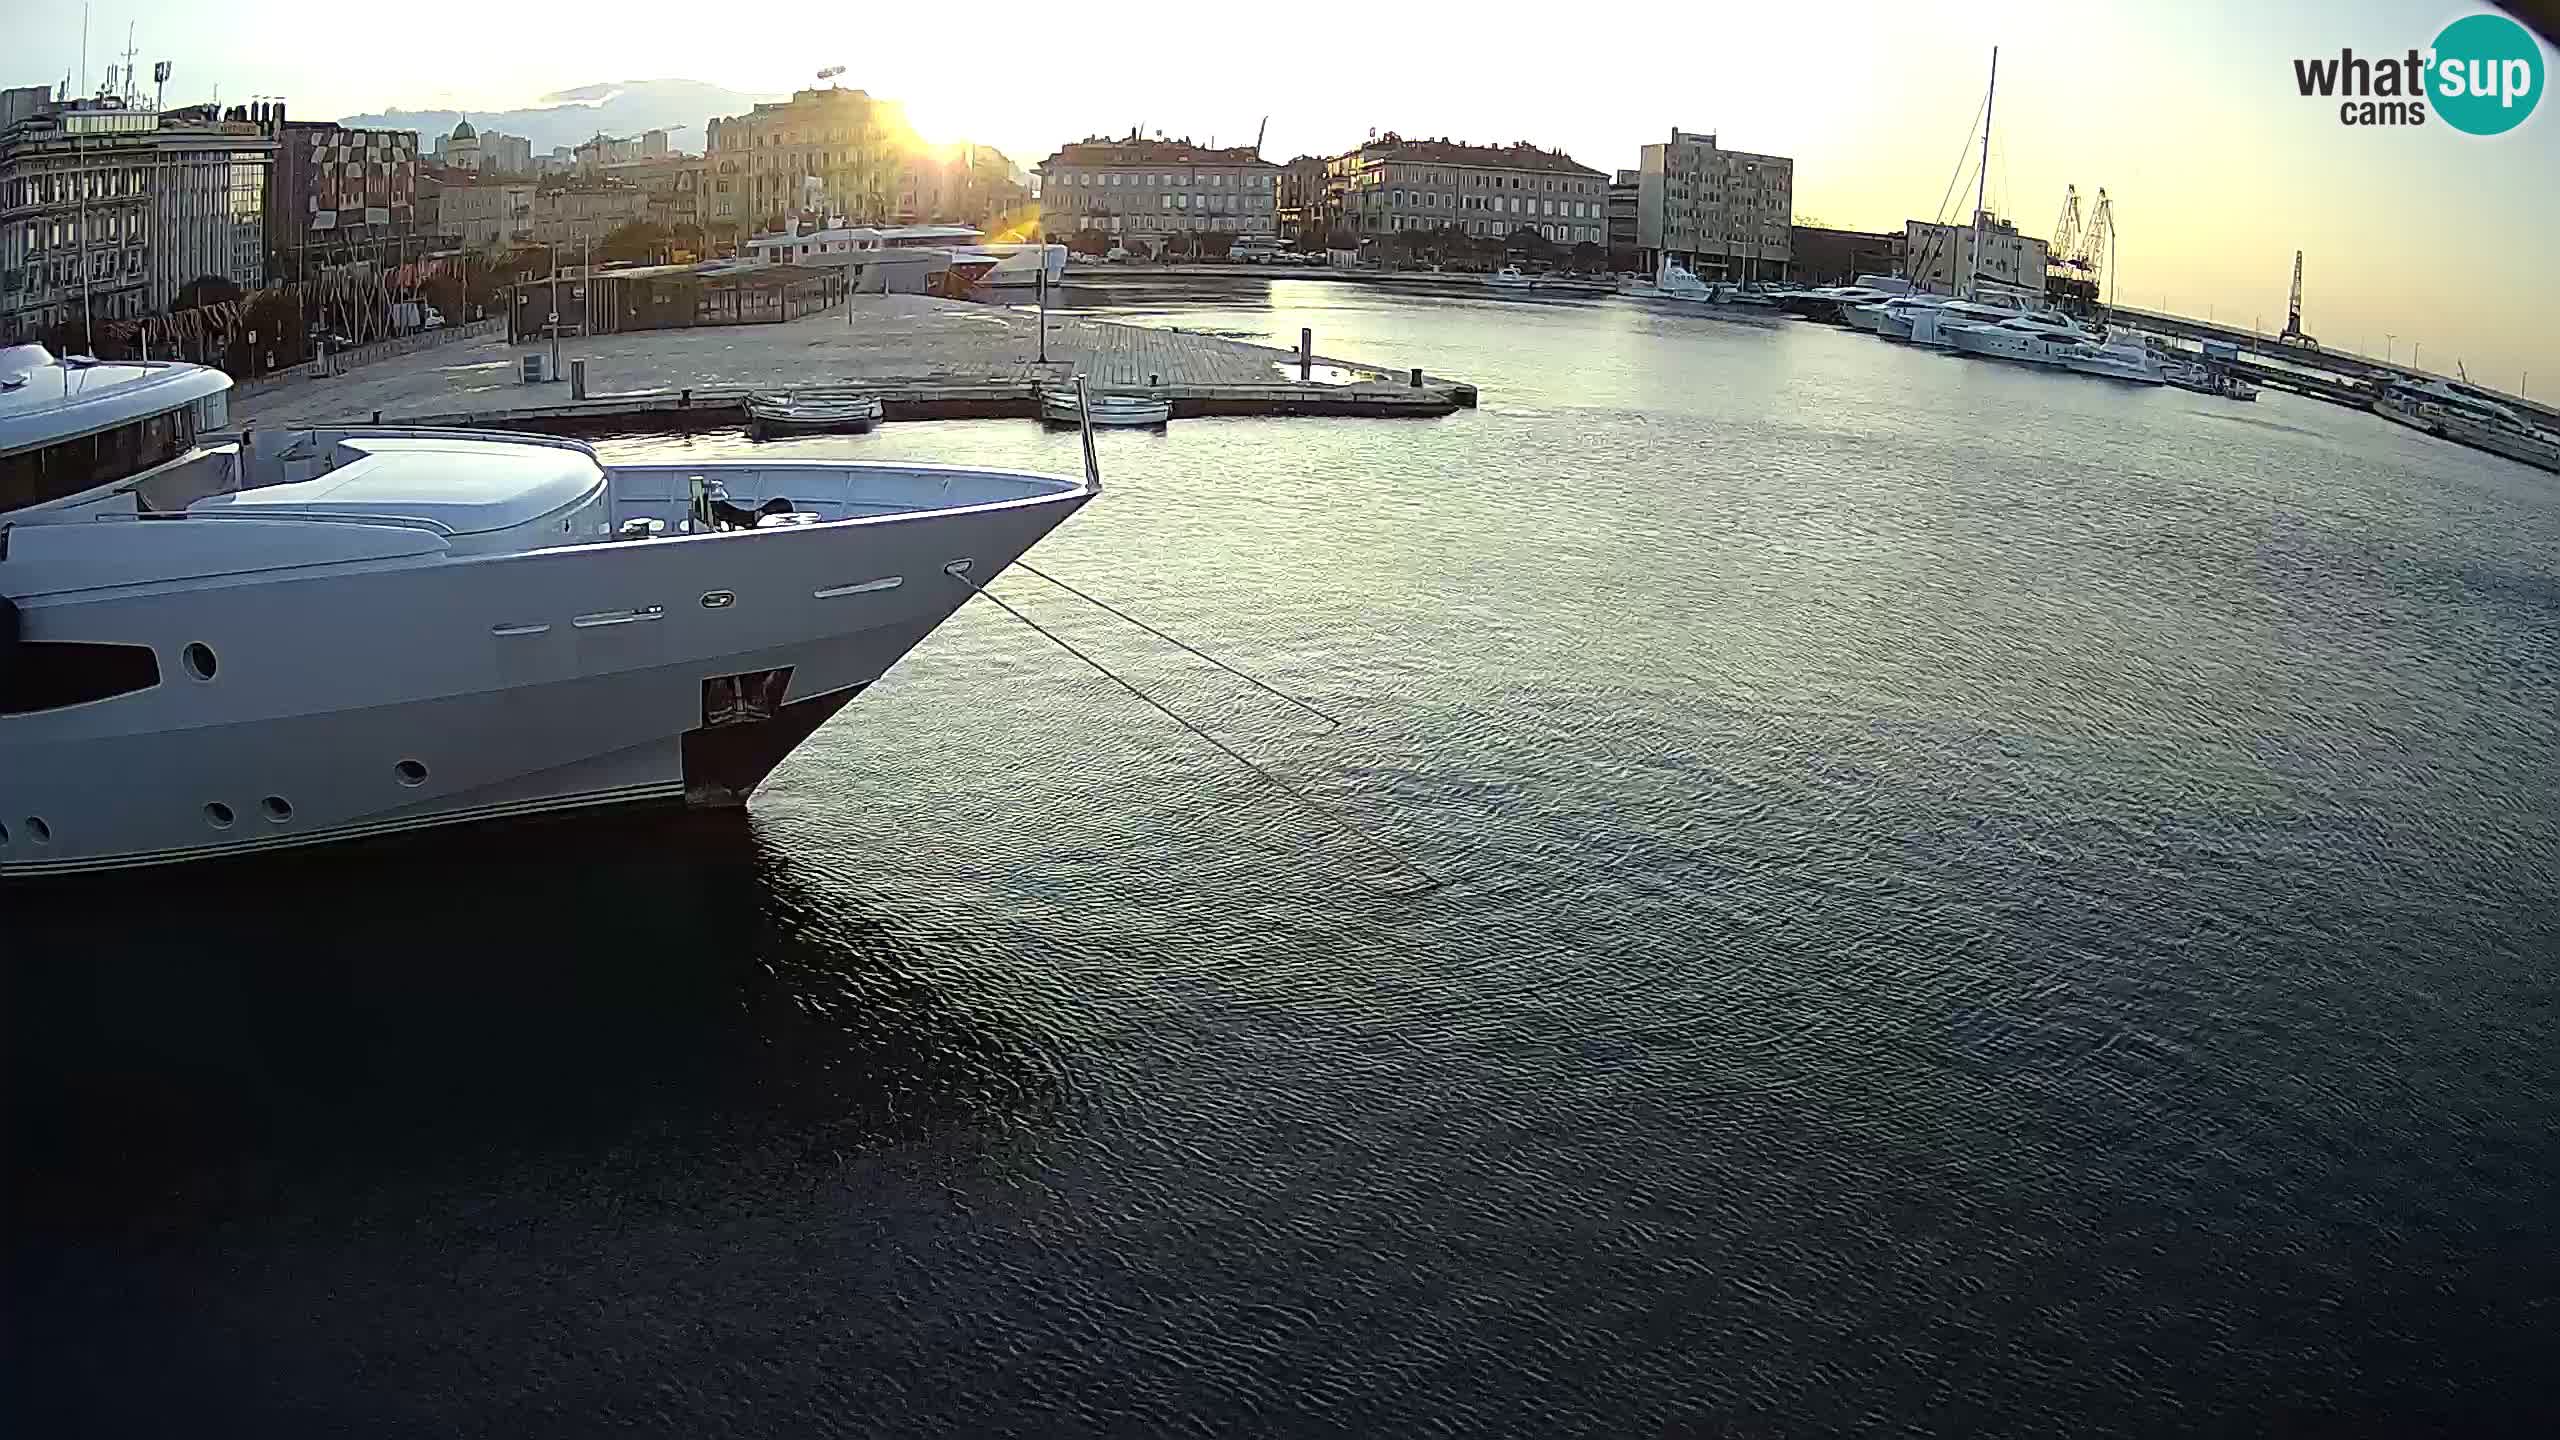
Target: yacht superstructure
{"type": "Point", "coordinates": [217, 644]}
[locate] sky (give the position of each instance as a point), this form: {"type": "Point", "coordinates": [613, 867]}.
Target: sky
{"type": "Point", "coordinates": [2187, 113]}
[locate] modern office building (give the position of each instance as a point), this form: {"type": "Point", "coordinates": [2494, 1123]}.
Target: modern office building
{"type": "Point", "coordinates": [1718, 212]}
{"type": "Point", "coordinates": [336, 194]}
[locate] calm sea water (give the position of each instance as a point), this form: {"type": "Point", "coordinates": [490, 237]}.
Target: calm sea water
{"type": "Point", "coordinates": [1977, 901]}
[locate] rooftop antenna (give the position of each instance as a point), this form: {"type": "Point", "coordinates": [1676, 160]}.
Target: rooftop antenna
{"type": "Point", "coordinates": [128, 62]}
{"type": "Point", "coordinates": [84, 49]}
{"type": "Point", "coordinates": [1258, 132]}
{"type": "Point", "coordinates": [159, 83]}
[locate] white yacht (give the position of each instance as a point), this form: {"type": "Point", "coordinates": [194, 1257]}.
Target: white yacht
{"type": "Point", "coordinates": [2461, 414]}
{"type": "Point", "coordinates": [1509, 277]}
{"type": "Point", "coordinates": [1674, 287]}
{"type": "Point", "coordinates": [219, 644]}
{"type": "Point", "coordinates": [2039, 339]}
{"type": "Point", "coordinates": [2206, 379]}
{"type": "Point", "coordinates": [1893, 318]}
{"type": "Point", "coordinates": [1838, 304]}
{"type": "Point", "coordinates": [2118, 359]}
{"type": "Point", "coordinates": [1927, 324]}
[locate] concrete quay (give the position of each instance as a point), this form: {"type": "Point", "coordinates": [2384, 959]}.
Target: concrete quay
{"type": "Point", "coordinates": [927, 358]}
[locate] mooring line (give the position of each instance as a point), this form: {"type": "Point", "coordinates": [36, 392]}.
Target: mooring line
{"type": "Point", "coordinates": [1431, 881]}
{"type": "Point", "coordinates": [1170, 640]}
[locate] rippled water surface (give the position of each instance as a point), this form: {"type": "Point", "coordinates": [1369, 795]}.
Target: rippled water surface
{"type": "Point", "coordinates": [1976, 901]}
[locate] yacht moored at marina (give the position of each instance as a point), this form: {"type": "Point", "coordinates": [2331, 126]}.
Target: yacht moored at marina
{"type": "Point", "coordinates": [1509, 277]}
{"type": "Point", "coordinates": [2206, 379]}
{"type": "Point", "coordinates": [2462, 415]}
{"type": "Point", "coordinates": [1837, 304]}
{"type": "Point", "coordinates": [2117, 359]}
{"type": "Point", "coordinates": [1676, 288]}
{"type": "Point", "coordinates": [2028, 339]}
{"type": "Point", "coordinates": [223, 644]}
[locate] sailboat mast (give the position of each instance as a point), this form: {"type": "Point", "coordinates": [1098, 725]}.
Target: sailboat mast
{"type": "Point", "coordinates": [1982, 181]}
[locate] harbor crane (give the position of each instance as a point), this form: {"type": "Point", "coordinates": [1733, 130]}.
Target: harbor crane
{"type": "Point", "coordinates": [2292, 334]}
{"type": "Point", "coordinates": [2066, 231]}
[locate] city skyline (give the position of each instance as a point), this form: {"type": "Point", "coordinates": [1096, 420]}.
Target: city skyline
{"type": "Point", "coordinates": [2219, 170]}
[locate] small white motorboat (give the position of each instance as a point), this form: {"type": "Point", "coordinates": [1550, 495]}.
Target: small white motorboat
{"type": "Point", "coordinates": [1673, 287]}
{"type": "Point", "coordinates": [2207, 380]}
{"type": "Point", "coordinates": [1509, 277]}
{"type": "Point", "coordinates": [1064, 407]}
{"type": "Point", "coordinates": [813, 410]}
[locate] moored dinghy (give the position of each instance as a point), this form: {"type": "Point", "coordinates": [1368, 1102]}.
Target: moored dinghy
{"type": "Point", "coordinates": [814, 408]}
{"type": "Point", "coordinates": [1066, 407]}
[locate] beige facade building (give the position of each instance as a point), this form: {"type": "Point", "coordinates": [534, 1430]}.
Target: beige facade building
{"type": "Point", "coordinates": [1143, 191]}
{"type": "Point", "coordinates": [853, 145]}
{"type": "Point", "coordinates": [587, 212]}
{"type": "Point", "coordinates": [490, 216]}
{"type": "Point", "coordinates": [1940, 257]}
{"type": "Point", "coordinates": [1393, 184]}
{"type": "Point", "coordinates": [1718, 212]}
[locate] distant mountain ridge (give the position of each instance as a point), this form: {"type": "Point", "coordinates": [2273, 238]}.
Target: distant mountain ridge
{"type": "Point", "coordinates": [566, 117]}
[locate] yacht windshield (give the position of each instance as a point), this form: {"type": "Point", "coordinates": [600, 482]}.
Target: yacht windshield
{"type": "Point", "coordinates": [69, 467]}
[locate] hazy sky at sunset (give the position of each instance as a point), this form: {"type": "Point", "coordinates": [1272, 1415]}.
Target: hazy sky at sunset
{"type": "Point", "coordinates": [2185, 112]}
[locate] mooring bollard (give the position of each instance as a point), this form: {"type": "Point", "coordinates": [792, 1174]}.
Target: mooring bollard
{"type": "Point", "coordinates": [578, 379]}
{"type": "Point", "coordinates": [1154, 380]}
{"type": "Point", "coordinates": [1417, 377]}
{"type": "Point", "coordinates": [377, 417]}
{"type": "Point", "coordinates": [684, 399]}
{"type": "Point", "coordinates": [1306, 354]}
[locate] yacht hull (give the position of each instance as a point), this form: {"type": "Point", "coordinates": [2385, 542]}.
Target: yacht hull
{"type": "Point", "coordinates": [359, 703]}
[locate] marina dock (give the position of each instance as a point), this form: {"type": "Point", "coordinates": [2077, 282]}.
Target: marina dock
{"type": "Point", "coordinates": [926, 358]}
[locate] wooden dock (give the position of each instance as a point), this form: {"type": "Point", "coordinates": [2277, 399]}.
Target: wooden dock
{"type": "Point", "coordinates": [925, 358]}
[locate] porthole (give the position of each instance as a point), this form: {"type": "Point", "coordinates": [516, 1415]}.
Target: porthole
{"type": "Point", "coordinates": [38, 831]}
{"type": "Point", "coordinates": [218, 815]}
{"type": "Point", "coordinates": [276, 808]}
{"type": "Point", "coordinates": [411, 773]}
{"type": "Point", "coordinates": [199, 660]}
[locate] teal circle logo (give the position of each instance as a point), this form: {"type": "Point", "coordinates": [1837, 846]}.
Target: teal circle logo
{"type": "Point", "coordinates": [2485, 74]}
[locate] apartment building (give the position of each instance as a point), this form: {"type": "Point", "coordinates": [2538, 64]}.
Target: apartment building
{"type": "Point", "coordinates": [1718, 212]}
{"type": "Point", "coordinates": [852, 144]}
{"type": "Point", "coordinates": [1301, 208]}
{"type": "Point", "coordinates": [108, 209]}
{"type": "Point", "coordinates": [486, 215]}
{"type": "Point", "coordinates": [1392, 184]}
{"type": "Point", "coordinates": [587, 211]}
{"type": "Point", "coordinates": [1146, 190]}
